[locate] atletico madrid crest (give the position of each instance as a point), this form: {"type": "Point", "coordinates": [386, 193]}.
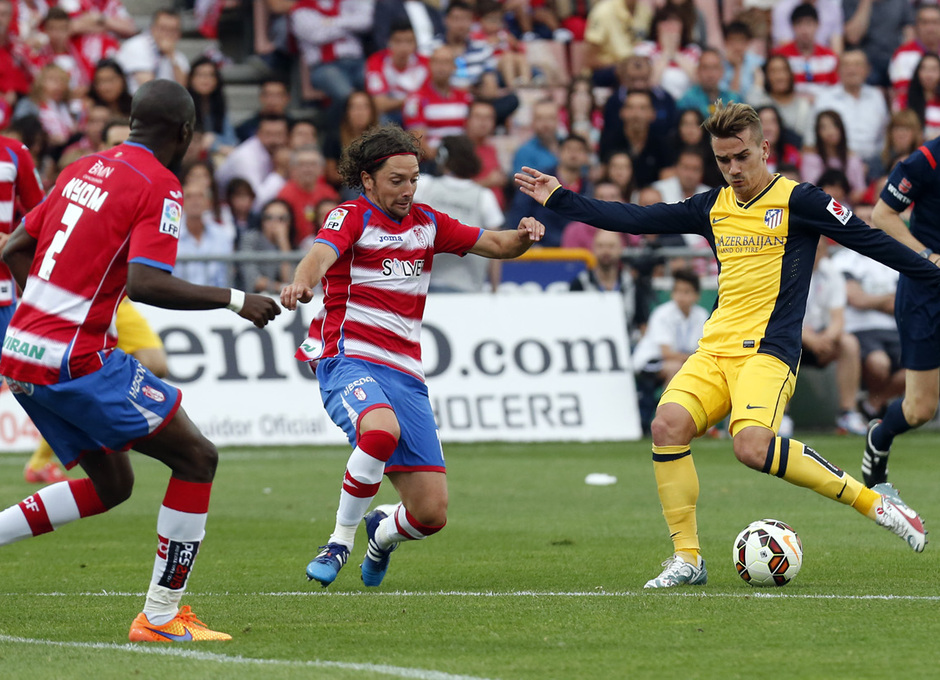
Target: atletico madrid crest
{"type": "Point", "coordinates": [773, 218]}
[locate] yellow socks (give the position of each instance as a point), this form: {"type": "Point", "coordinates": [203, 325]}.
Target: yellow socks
{"type": "Point", "coordinates": [678, 488]}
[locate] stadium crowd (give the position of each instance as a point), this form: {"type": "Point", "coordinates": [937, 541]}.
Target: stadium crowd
{"type": "Point", "coordinates": [608, 95]}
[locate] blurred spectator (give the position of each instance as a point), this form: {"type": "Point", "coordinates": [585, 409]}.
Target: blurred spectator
{"type": "Point", "coordinates": [814, 66]}
{"type": "Point", "coordinates": [481, 122]}
{"type": "Point", "coordinates": [649, 155]}
{"type": "Point", "coordinates": [581, 115]}
{"type": "Point", "coordinates": [902, 138]}
{"type": "Point", "coordinates": [509, 53]}
{"type": "Point", "coordinates": [693, 20]}
{"type": "Point", "coordinates": [828, 25]}
{"type": "Point", "coordinates": [29, 131]}
{"type": "Point", "coordinates": [15, 77]}
{"type": "Point", "coordinates": [779, 90]}
{"type": "Point", "coordinates": [671, 336]}
{"type": "Point", "coordinates": [456, 194]}
{"type": "Point", "coordinates": [784, 144]}
{"type": "Point", "coordinates": [302, 132]}
{"type": "Point", "coordinates": [825, 339]}
{"type": "Point", "coordinates": [324, 208]}
{"type": "Point", "coordinates": [275, 233]}
{"type": "Point", "coordinates": [359, 116]}
{"type": "Point", "coordinates": [541, 149]}
{"type": "Point", "coordinates": [28, 19]}
{"type": "Point", "coordinates": [869, 315]}
{"type": "Point", "coordinates": [834, 182]}
{"type": "Point", "coordinates": [329, 37]}
{"type": "Point", "coordinates": [207, 88]}
{"type": "Point", "coordinates": [202, 173]}
{"type": "Point", "coordinates": [275, 180]}
{"type": "Point", "coordinates": [832, 152]}
{"type": "Point", "coordinates": [438, 109]}
{"type": "Point", "coordinates": [619, 172]}
{"type": "Point", "coordinates": [471, 57]}
{"type": "Point", "coordinates": [671, 52]}
{"type": "Point", "coordinates": [742, 65]}
{"type": "Point", "coordinates": [273, 100]}
{"type": "Point", "coordinates": [707, 90]}
{"type": "Point", "coordinates": [272, 33]}
{"type": "Point", "coordinates": [611, 275]}
{"type": "Point", "coordinates": [98, 26]}
{"type": "Point", "coordinates": [923, 94]}
{"type": "Point", "coordinates": [861, 106]}
{"type": "Point", "coordinates": [236, 213]}
{"type": "Point", "coordinates": [908, 56]}
{"type": "Point", "coordinates": [109, 88]}
{"type": "Point", "coordinates": [687, 181]}
{"type": "Point", "coordinates": [201, 234]}
{"type": "Point", "coordinates": [63, 52]}
{"type": "Point", "coordinates": [49, 99]}
{"type": "Point", "coordinates": [614, 27]}
{"type": "Point", "coordinates": [91, 140]}
{"type": "Point", "coordinates": [573, 156]}
{"type": "Point", "coordinates": [635, 73]}
{"type": "Point", "coordinates": [690, 134]}
{"type": "Point", "coordinates": [304, 189]}
{"type": "Point", "coordinates": [424, 17]}
{"type": "Point", "coordinates": [253, 159]}
{"type": "Point", "coordinates": [154, 53]}
{"type": "Point", "coordinates": [116, 131]}
{"type": "Point", "coordinates": [396, 72]}
{"type": "Point", "coordinates": [878, 27]}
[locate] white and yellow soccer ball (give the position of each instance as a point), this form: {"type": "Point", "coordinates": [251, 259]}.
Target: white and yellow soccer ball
{"type": "Point", "coordinates": [768, 553]}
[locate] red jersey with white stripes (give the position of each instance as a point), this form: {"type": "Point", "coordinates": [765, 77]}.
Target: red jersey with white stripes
{"type": "Point", "coordinates": [440, 115]}
{"type": "Point", "coordinates": [105, 211]}
{"type": "Point", "coordinates": [20, 191]}
{"type": "Point", "coordinates": [819, 69]}
{"type": "Point", "coordinates": [374, 294]}
{"type": "Point", "coordinates": [382, 77]}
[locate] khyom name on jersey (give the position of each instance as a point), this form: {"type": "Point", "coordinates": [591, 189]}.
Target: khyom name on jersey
{"type": "Point", "coordinates": [85, 194]}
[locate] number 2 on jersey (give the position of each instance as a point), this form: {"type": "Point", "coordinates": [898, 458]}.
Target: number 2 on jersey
{"type": "Point", "coordinates": [72, 214]}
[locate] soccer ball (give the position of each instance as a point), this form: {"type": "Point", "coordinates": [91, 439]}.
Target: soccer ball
{"type": "Point", "coordinates": [768, 553]}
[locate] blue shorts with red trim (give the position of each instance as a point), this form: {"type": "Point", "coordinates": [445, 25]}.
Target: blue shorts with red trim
{"type": "Point", "coordinates": [108, 410]}
{"type": "Point", "coordinates": [352, 387]}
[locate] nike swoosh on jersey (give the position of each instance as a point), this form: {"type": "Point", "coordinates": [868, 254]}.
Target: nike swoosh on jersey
{"type": "Point", "coordinates": [173, 636]}
{"type": "Point", "coordinates": [750, 407]}
{"type": "Point", "coordinates": [839, 495]}
{"type": "Point", "coordinates": [715, 220]}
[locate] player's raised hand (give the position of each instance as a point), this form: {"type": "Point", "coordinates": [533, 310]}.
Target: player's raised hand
{"type": "Point", "coordinates": [535, 184]}
{"type": "Point", "coordinates": [531, 228]}
{"type": "Point", "coordinates": [295, 293]}
{"type": "Point", "coordinates": [259, 309]}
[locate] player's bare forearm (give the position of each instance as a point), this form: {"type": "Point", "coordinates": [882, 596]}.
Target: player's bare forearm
{"type": "Point", "coordinates": [890, 222]}
{"type": "Point", "coordinates": [18, 254]}
{"type": "Point", "coordinates": [506, 245]}
{"type": "Point", "coordinates": [308, 273]}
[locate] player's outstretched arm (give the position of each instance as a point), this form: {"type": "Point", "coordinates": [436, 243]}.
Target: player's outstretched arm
{"type": "Point", "coordinates": [308, 273]}
{"type": "Point", "coordinates": [159, 288]}
{"type": "Point", "coordinates": [18, 254]}
{"type": "Point", "coordinates": [536, 185]}
{"type": "Point", "coordinates": [505, 245]}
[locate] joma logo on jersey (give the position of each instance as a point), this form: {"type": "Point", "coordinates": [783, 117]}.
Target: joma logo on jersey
{"type": "Point", "coordinates": [99, 169]}
{"type": "Point", "coordinates": [391, 239]}
{"type": "Point", "coordinates": [85, 194]}
{"type": "Point", "coordinates": [24, 348]}
{"type": "Point", "coordinates": [396, 267]}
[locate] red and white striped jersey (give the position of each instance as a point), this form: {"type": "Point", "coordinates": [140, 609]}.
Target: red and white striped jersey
{"type": "Point", "coordinates": [383, 78]}
{"type": "Point", "coordinates": [105, 211]}
{"type": "Point", "coordinates": [327, 30]}
{"type": "Point", "coordinates": [903, 63]}
{"type": "Point", "coordinates": [20, 191]}
{"type": "Point", "coordinates": [439, 115]}
{"type": "Point", "coordinates": [821, 68]}
{"type": "Point", "coordinates": [374, 294]}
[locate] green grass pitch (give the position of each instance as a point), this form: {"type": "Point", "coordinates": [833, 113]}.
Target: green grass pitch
{"type": "Point", "coordinates": [537, 575]}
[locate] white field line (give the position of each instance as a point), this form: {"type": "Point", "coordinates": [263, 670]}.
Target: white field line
{"type": "Point", "coordinates": [196, 655]}
{"type": "Point", "coordinates": [756, 594]}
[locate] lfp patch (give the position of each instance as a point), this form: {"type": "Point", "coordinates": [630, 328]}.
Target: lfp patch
{"type": "Point", "coordinates": [335, 219]}
{"type": "Point", "coordinates": [170, 218]}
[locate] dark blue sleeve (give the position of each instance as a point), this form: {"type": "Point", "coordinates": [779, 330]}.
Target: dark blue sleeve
{"type": "Point", "coordinates": [906, 182]}
{"type": "Point", "coordinates": [814, 210]}
{"type": "Point", "coordinates": [687, 217]}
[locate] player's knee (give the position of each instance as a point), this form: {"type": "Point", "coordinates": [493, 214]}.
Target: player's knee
{"type": "Point", "coordinates": [920, 412]}
{"type": "Point", "coordinates": [381, 419]}
{"type": "Point", "coordinates": [201, 460]}
{"type": "Point", "coordinates": [115, 489]}
{"type": "Point", "coordinates": [431, 518]}
{"type": "Point", "coordinates": [751, 449]}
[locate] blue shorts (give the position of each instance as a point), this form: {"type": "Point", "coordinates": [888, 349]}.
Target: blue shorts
{"type": "Point", "coordinates": [6, 313]}
{"type": "Point", "coordinates": [352, 387]}
{"type": "Point", "coordinates": [917, 311]}
{"type": "Point", "coordinates": [108, 410]}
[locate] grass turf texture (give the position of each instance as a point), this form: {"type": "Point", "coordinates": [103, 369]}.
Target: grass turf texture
{"type": "Point", "coordinates": [536, 576]}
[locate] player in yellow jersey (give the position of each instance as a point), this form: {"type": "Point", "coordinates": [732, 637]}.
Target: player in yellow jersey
{"type": "Point", "coordinates": [135, 337]}
{"type": "Point", "coordinates": [763, 229]}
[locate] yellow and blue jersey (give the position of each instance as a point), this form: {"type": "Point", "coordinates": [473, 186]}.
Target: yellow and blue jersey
{"type": "Point", "coordinates": [765, 250]}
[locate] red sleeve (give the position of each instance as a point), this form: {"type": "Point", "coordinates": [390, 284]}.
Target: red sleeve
{"type": "Point", "coordinates": [28, 187]}
{"type": "Point", "coordinates": [156, 231]}
{"type": "Point", "coordinates": [452, 236]}
{"type": "Point", "coordinates": [341, 228]}
{"type": "Point", "coordinates": [413, 112]}
{"type": "Point", "coordinates": [33, 221]}
{"type": "Point", "coordinates": [375, 79]}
